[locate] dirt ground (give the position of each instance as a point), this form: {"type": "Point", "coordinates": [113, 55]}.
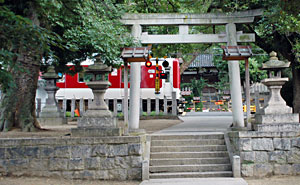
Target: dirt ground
{"type": "Point", "coordinates": [277, 180]}
{"type": "Point", "coordinates": [47, 181]}
{"type": "Point", "coordinates": [60, 131]}
{"type": "Point", "coordinates": [294, 180]}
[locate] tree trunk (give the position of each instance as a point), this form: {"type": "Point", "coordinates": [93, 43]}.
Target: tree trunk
{"type": "Point", "coordinates": [18, 104]}
{"type": "Point", "coordinates": [296, 88]}
{"type": "Point", "coordinates": [186, 64]}
{"type": "Point", "coordinates": [17, 108]}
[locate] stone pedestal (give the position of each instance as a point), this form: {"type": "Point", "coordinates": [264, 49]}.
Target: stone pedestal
{"type": "Point", "coordinates": [97, 121]}
{"type": "Point", "coordinates": [50, 114]}
{"type": "Point", "coordinates": [276, 110]}
{"type": "Point", "coordinates": [276, 116]}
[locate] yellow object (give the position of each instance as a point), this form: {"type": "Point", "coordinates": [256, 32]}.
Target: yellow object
{"type": "Point", "coordinates": [252, 108]}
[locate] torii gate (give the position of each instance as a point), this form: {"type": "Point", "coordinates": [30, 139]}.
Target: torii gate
{"type": "Point", "coordinates": [232, 37]}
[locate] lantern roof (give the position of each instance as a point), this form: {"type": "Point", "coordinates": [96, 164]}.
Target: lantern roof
{"type": "Point", "coordinates": [274, 63]}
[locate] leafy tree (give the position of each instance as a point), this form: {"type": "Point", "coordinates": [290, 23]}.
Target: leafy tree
{"type": "Point", "coordinates": [37, 33]}
{"type": "Point", "coordinates": [277, 30]}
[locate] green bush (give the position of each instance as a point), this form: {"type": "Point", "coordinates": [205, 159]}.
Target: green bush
{"type": "Point", "coordinates": [120, 114]}
{"type": "Point", "coordinates": [153, 113]}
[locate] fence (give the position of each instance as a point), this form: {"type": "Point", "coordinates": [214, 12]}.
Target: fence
{"type": "Point", "coordinates": [147, 106]}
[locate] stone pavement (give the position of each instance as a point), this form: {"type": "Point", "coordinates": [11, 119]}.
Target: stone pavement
{"type": "Point", "coordinates": [198, 123]}
{"type": "Point", "coordinates": [196, 181]}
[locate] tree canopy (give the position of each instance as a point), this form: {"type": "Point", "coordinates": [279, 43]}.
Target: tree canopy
{"type": "Point", "coordinates": [37, 33]}
{"type": "Point", "coordinates": [67, 31]}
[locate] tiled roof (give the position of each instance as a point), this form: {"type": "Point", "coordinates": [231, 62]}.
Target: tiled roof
{"type": "Point", "coordinates": [203, 60]}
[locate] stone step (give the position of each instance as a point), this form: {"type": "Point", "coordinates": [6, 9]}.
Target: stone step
{"type": "Point", "coordinates": [190, 174]}
{"type": "Point", "coordinates": [160, 155]}
{"type": "Point", "coordinates": [188, 148]}
{"type": "Point", "coordinates": [189, 161]}
{"type": "Point", "coordinates": [177, 137]}
{"type": "Point", "coordinates": [190, 168]}
{"type": "Point", "coordinates": [187, 142]}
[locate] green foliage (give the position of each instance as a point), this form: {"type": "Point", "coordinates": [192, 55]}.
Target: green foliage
{"type": "Point", "coordinates": [62, 31]}
{"type": "Point", "coordinates": [255, 64]}
{"type": "Point", "coordinates": [120, 114]}
{"type": "Point", "coordinates": [198, 85]}
{"type": "Point", "coordinates": [152, 113]}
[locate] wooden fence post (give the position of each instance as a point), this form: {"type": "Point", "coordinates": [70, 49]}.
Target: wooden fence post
{"type": "Point", "coordinates": [73, 108]}
{"type": "Point", "coordinates": [148, 106]}
{"type": "Point", "coordinates": [174, 104]}
{"type": "Point", "coordinates": [157, 106]}
{"type": "Point", "coordinates": [165, 105]}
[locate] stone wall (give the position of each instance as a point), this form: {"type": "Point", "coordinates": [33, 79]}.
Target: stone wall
{"type": "Point", "coordinates": [108, 158]}
{"type": "Point", "coordinates": [267, 153]}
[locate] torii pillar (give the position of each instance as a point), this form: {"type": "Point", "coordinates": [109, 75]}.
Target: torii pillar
{"type": "Point", "coordinates": [135, 81]}
{"type": "Point", "coordinates": [235, 80]}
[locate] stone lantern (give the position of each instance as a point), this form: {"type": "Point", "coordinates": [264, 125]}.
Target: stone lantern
{"type": "Point", "coordinates": [97, 120]}
{"type": "Point", "coordinates": [51, 114]}
{"type": "Point", "coordinates": [275, 111]}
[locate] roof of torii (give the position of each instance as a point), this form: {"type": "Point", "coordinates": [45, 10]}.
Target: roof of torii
{"type": "Point", "coordinates": [184, 20]}
{"type": "Point", "coordinates": [191, 19]}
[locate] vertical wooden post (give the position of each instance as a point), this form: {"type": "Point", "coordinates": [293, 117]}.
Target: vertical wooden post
{"type": "Point", "coordinates": [148, 106]}
{"type": "Point", "coordinates": [64, 106]}
{"type": "Point", "coordinates": [165, 105]}
{"type": "Point", "coordinates": [81, 106]}
{"type": "Point", "coordinates": [157, 106]}
{"type": "Point", "coordinates": [73, 108]}
{"type": "Point", "coordinates": [115, 107]}
{"type": "Point", "coordinates": [257, 105]}
{"type": "Point", "coordinates": [174, 104]}
{"type": "Point", "coordinates": [125, 105]}
{"type": "Point", "coordinates": [141, 106]}
{"type": "Point", "coordinates": [247, 93]}
{"type": "Point", "coordinates": [89, 102]}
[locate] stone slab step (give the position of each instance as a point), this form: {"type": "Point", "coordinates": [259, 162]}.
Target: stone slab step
{"type": "Point", "coordinates": [190, 174]}
{"type": "Point", "coordinates": [177, 137]}
{"type": "Point", "coordinates": [160, 155]}
{"type": "Point", "coordinates": [189, 161]}
{"type": "Point", "coordinates": [190, 168]}
{"type": "Point", "coordinates": [196, 181]}
{"type": "Point", "coordinates": [188, 148]}
{"type": "Point", "coordinates": [187, 142]}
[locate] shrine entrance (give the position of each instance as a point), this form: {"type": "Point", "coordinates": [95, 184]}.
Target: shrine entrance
{"type": "Point", "coordinates": [184, 21]}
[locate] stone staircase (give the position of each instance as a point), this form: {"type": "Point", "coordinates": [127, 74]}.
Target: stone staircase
{"type": "Point", "coordinates": [189, 156]}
